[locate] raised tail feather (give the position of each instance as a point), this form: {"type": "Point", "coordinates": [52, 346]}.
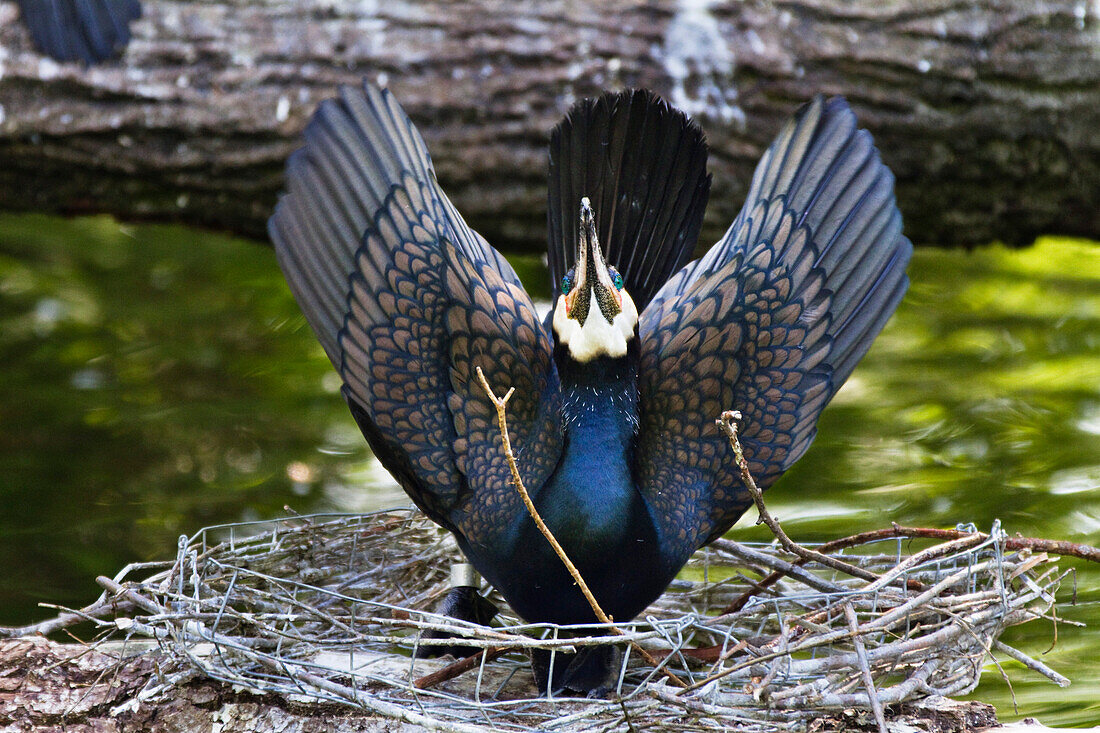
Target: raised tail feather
{"type": "Point", "coordinates": [642, 164]}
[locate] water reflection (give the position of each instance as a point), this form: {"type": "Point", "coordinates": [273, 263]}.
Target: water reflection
{"type": "Point", "coordinates": [157, 379]}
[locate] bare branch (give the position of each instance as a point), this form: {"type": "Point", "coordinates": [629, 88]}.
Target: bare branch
{"type": "Point", "coordinates": [459, 667]}
{"type": "Point", "coordinates": [727, 422]}
{"type": "Point", "coordinates": [502, 423]}
{"type": "Point", "coordinates": [864, 668]}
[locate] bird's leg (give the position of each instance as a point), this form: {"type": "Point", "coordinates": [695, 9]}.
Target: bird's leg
{"type": "Point", "coordinates": [592, 671]}
{"type": "Point", "coordinates": [462, 602]}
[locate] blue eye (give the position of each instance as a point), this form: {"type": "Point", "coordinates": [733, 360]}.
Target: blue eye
{"type": "Point", "coordinates": [567, 283]}
{"type": "Point", "coordinates": [616, 278]}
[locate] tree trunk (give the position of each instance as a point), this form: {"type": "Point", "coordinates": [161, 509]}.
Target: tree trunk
{"type": "Point", "coordinates": [986, 110]}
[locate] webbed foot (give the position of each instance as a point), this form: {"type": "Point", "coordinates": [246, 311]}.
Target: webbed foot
{"type": "Point", "coordinates": [465, 604]}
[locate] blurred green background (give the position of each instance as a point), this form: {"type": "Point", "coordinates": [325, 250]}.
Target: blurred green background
{"type": "Point", "coordinates": [157, 379]}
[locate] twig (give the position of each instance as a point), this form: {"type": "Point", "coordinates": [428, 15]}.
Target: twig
{"type": "Point", "coordinates": [943, 550]}
{"type": "Point", "coordinates": [864, 668]}
{"type": "Point", "coordinates": [1032, 664]}
{"type": "Point", "coordinates": [454, 669]}
{"type": "Point", "coordinates": [138, 600]}
{"type": "Point", "coordinates": [103, 607]}
{"type": "Point", "coordinates": [727, 423]}
{"type": "Point", "coordinates": [502, 422]}
{"type": "Point", "coordinates": [782, 568]}
{"type": "Point", "coordinates": [626, 717]}
{"type": "Point", "coordinates": [775, 576]}
{"type": "Point", "coordinates": [1035, 544]}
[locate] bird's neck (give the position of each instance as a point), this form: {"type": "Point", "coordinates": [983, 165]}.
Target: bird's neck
{"type": "Point", "coordinates": [600, 399]}
{"type": "Point", "coordinates": [590, 503]}
{"type": "Point", "coordinates": [593, 483]}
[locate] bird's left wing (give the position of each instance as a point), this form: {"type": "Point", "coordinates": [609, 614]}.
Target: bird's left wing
{"type": "Point", "coordinates": [407, 302]}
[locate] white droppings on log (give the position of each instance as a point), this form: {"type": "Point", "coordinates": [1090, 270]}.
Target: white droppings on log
{"type": "Point", "coordinates": [756, 44]}
{"type": "Point", "coordinates": [694, 51]}
{"type": "Point", "coordinates": [48, 69]}
{"type": "Point", "coordinates": [1093, 17]}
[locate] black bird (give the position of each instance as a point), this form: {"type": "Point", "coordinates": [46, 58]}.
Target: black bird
{"type": "Point", "coordinates": [88, 31]}
{"type": "Point", "coordinates": [617, 392]}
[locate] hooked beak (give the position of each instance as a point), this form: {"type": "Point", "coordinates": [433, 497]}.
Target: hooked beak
{"type": "Point", "coordinates": [591, 280]}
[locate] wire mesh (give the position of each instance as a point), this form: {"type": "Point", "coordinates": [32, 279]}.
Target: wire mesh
{"type": "Point", "coordinates": [332, 608]}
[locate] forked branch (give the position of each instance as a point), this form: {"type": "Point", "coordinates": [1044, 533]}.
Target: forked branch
{"type": "Point", "coordinates": [501, 404]}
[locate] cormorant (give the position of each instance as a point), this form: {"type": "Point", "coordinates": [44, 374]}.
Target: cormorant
{"type": "Point", "coordinates": [88, 31]}
{"type": "Point", "coordinates": [617, 392]}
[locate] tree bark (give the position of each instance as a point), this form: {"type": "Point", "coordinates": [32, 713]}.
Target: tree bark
{"type": "Point", "coordinates": [986, 110]}
{"type": "Point", "coordinates": [47, 687]}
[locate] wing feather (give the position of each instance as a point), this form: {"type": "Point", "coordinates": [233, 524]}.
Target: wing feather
{"type": "Point", "coordinates": [771, 320]}
{"type": "Point", "coordinates": [88, 31]}
{"type": "Point", "coordinates": [408, 302]}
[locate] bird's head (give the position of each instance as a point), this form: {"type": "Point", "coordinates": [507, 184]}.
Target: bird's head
{"type": "Point", "coordinates": [594, 315]}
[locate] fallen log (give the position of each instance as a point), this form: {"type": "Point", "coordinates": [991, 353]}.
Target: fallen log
{"type": "Point", "coordinates": [987, 111]}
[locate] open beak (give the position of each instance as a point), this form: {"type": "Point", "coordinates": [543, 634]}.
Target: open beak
{"type": "Point", "coordinates": [592, 281]}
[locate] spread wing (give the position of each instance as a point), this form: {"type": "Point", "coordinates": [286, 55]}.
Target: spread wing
{"type": "Point", "coordinates": [407, 302]}
{"type": "Point", "coordinates": [771, 321]}
{"type": "Point", "coordinates": [79, 30]}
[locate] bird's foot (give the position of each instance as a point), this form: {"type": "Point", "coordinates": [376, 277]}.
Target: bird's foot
{"type": "Point", "coordinates": [592, 671]}
{"type": "Point", "coordinates": [465, 604]}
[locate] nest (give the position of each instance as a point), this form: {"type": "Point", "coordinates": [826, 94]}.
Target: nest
{"type": "Point", "coordinates": [333, 608]}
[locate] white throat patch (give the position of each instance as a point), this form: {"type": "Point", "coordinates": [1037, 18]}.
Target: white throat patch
{"type": "Point", "coordinates": [596, 337]}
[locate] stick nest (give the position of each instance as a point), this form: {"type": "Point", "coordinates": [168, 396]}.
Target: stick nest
{"type": "Point", "coordinates": [332, 608]}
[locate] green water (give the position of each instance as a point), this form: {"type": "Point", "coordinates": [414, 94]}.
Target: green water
{"type": "Point", "coordinates": [157, 379]}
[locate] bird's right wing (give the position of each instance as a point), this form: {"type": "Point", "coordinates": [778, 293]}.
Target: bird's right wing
{"type": "Point", "coordinates": [770, 322]}
{"type": "Point", "coordinates": [408, 302]}
{"type": "Point", "coordinates": [79, 30]}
